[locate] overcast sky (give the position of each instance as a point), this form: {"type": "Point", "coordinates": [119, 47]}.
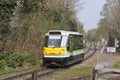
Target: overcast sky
{"type": "Point", "coordinates": [90, 14]}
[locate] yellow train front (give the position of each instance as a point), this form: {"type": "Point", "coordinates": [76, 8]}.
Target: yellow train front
{"type": "Point", "coordinates": [62, 48]}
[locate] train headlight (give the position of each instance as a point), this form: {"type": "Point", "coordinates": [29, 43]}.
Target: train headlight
{"type": "Point", "coordinates": [59, 52]}
{"type": "Point", "coordinates": [63, 49]}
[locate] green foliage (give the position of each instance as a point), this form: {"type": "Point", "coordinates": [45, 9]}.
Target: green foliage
{"type": "Point", "coordinates": [57, 18]}
{"type": "Point", "coordinates": [102, 30]}
{"type": "Point", "coordinates": [73, 25]}
{"type": "Point", "coordinates": [6, 9]}
{"type": "Point", "coordinates": [39, 62]}
{"type": "Point", "coordinates": [2, 64]}
{"type": "Point", "coordinates": [91, 35]}
{"type": "Point", "coordinates": [33, 5]}
{"type": "Point", "coordinates": [1, 44]}
{"type": "Point", "coordinates": [14, 60]}
{"type": "Point", "coordinates": [99, 33]}
{"type": "Point", "coordinates": [30, 59]}
{"type": "Point", "coordinates": [4, 67]}
{"type": "Point", "coordinates": [17, 60]}
{"type": "Point", "coordinates": [7, 68]}
{"type": "Point", "coordinates": [3, 56]}
{"type": "Point", "coordinates": [111, 41]}
{"type": "Point", "coordinates": [9, 61]}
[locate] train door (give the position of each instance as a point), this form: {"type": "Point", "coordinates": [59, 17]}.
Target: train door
{"type": "Point", "coordinates": [70, 45]}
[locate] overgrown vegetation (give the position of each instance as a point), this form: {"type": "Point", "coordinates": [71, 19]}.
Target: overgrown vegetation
{"type": "Point", "coordinates": [10, 61]}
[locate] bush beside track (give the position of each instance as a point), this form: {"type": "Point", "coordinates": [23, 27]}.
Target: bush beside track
{"type": "Point", "coordinates": [11, 61]}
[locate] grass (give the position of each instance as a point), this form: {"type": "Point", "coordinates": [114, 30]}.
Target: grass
{"type": "Point", "coordinates": [10, 70]}
{"type": "Point", "coordinates": [117, 64]}
{"type": "Point", "coordinates": [80, 71]}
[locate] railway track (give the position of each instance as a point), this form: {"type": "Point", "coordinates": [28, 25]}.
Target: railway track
{"type": "Point", "coordinates": [31, 75]}
{"type": "Point", "coordinates": [94, 50]}
{"type": "Point", "coordinates": [34, 73]}
{"type": "Point", "coordinates": [10, 75]}
{"type": "Point", "coordinates": [88, 54]}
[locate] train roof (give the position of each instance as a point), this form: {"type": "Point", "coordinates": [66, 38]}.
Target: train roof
{"type": "Point", "coordinates": [64, 32]}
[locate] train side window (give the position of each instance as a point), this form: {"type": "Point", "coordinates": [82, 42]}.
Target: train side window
{"type": "Point", "coordinates": [78, 42]}
{"type": "Point", "coordinates": [75, 42]}
{"type": "Point", "coordinates": [81, 41]}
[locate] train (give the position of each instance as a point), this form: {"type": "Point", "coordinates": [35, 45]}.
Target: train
{"type": "Point", "coordinates": [62, 48]}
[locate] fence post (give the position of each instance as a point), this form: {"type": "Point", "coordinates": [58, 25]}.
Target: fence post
{"type": "Point", "coordinates": [34, 75]}
{"type": "Point", "coordinates": [94, 74]}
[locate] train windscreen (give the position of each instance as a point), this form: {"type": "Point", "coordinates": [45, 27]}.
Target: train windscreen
{"type": "Point", "coordinates": [54, 41]}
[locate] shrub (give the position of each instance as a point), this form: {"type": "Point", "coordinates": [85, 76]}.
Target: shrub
{"type": "Point", "coordinates": [7, 68]}
{"type": "Point", "coordinates": [14, 60]}
{"type": "Point", "coordinates": [1, 44]}
{"type": "Point", "coordinates": [39, 62]}
{"type": "Point", "coordinates": [2, 64]}
{"type": "Point", "coordinates": [4, 55]}
{"type": "Point", "coordinates": [30, 59]}
{"type": "Point", "coordinates": [10, 61]}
